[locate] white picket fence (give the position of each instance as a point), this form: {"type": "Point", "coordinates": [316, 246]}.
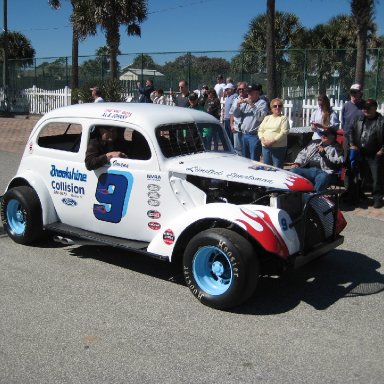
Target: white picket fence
{"type": "Point", "coordinates": [40, 101]}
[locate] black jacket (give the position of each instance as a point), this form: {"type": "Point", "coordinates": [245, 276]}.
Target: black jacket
{"type": "Point", "coordinates": [374, 140]}
{"type": "Point", "coordinates": [95, 156]}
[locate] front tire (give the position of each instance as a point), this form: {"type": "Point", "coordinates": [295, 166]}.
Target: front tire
{"type": "Point", "coordinates": [21, 215]}
{"type": "Point", "coordinates": [220, 268]}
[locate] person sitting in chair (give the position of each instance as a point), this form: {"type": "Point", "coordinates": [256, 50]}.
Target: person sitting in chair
{"type": "Point", "coordinates": [104, 147]}
{"type": "Point", "coordinates": [320, 162]}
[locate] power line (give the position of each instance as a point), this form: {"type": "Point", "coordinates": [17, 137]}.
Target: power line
{"type": "Point", "coordinates": [181, 6]}
{"type": "Point", "coordinates": [149, 13]}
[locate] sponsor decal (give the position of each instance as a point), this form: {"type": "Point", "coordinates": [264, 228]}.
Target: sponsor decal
{"type": "Point", "coordinates": [168, 237]}
{"type": "Point", "coordinates": [263, 168]}
{"type": "Point", "coordinates": [117, 114]}
{"type": "Point", "coordinates": [197, 169]}
{"type": "Point", "coordinates": [152, 214]}
{"type": "Point", "coordinates": [117, 163]}
{"type": "Point", "coordinates": [153, 195]}
{"type": "Point", "coordinates": [153, 225]}
{"type": "Point", "coordinates": [67, 173]}
{"type": "Point", "coordinates": [68, 201]}
{"type": "Point", "coordinates": [153, 187]}
{"type": "Point", "coordinates": [153, 203]}
{"type": "Point", "coordinates": [237, 176]}
{"type": "Point", "coordinates": [151, 177]}
{"type": "Point", "coordinates": [63, 186]}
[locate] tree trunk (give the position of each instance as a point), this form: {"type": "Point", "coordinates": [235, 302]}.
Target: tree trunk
{"type": "Point", "coordinates": [361, 56]}
{"type": "Point", "coordinates": [113, 41]}
{"type": "Point", "coordinates": [271, 51]}
{"type": "Point", "coordinates": [75, 61]}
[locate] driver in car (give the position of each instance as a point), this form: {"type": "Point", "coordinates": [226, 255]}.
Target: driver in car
{"type": "Point", "coordinates": [104, 146]}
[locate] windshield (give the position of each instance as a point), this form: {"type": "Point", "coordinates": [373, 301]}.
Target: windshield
{"type": "Point", "coordinates": [191, 138]}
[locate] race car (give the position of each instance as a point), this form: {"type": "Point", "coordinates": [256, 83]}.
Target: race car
{"type": "Point", "coordinates": [181, 193]}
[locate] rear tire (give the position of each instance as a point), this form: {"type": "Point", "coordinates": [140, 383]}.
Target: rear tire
{"type": "Point", "coordinates": [220, 268]}
{"type": "Point", "coordinates": [21, 215]}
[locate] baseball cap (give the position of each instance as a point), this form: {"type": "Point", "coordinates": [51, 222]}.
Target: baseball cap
{"type": "Point", "coordinates": [254, 87]}
{"type": "Point", "coordinates": [229, 86]}
{"type": "Point", "coordinates": [193, 96]}
{"type": "Point", "coordinates": [356, 87]}
{"type": "Point", "coordinates": [329, 131]}
{"type": "Point", "coordinates": [94, 89]}
{"type": "Point", "coordinates": [370, 103]}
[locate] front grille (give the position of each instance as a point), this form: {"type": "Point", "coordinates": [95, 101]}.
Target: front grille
{"type": "Point", "coordinates": [313, 216]}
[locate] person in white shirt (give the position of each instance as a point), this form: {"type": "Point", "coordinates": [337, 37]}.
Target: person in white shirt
{"type": "Point", "coordinates": [219, 87]}
{"type": "Point", "coordinates": [323, 117]}
{"type": "Point", "coordinates": [96, 94]}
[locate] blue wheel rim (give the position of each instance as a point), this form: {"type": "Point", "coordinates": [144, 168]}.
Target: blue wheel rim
{"type": "Point", "coordinates": [16, 217]}
{"type": "Point", "coordinates": [212, 270]}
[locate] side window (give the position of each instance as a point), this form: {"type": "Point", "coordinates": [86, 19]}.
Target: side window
{"type": "Point", "coordinates": [140, 147]}
{"type": "Point", "coordinates": [61, 136]}
{"type": "Point", "coordinates": [126, 140]}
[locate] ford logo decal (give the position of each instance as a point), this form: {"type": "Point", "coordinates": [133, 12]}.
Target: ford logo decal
{"type": "Point", "coordinates": [68, 201]}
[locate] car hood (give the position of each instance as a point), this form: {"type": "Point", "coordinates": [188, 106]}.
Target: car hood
{"type": "Point", "coordinates": [238, 169]}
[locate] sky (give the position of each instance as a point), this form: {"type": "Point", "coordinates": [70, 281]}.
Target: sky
{"type": "Point", "coordinates": [171, 25]}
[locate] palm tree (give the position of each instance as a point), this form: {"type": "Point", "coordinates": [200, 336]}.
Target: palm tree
{"type": "Point", "coordinates": [271, 50]}
{"type": "Point", "coordinates": [110, 15]}
{"type": "Point", "coordinates": [362, 14]}
{"type": "Point", "coordinates": [56, 4]}
{"type": "Point", "coordinates": [19, 48]}
{"type": "Point", "coordinates": [252, 57]}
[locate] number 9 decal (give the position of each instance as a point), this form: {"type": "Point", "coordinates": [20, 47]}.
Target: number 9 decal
{"type": "Point", "coordinates": [112, 193]}
{"type": "Point", "coordinates": [284, 224]}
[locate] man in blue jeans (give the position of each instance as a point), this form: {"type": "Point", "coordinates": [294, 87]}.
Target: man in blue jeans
{"type": "Point", "coordinates": [251, 112]}
{"type": "Point", "coordinates": [320, 162]}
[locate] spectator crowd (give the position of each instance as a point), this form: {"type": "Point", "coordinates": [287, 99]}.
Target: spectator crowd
{"type": "Point", "coordinates": [352, 150]}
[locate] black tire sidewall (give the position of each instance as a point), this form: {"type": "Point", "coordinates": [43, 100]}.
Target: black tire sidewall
{"type": "Point", "coordinates": [238, 251]}
{"type": "Point", "coordinates": [30, 203]}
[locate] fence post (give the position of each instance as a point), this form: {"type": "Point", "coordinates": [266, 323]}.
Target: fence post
{"type": "Point", "coordinates": [33, 99]}
{"type": "Point", "coordinates": [66, 94]}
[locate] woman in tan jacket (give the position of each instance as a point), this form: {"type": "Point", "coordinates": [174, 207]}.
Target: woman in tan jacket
{"type": "Point", "coordinates": [273, 132]}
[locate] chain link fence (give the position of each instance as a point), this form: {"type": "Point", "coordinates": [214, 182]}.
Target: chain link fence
{"type": "Point", "coordinates": [301, 73]}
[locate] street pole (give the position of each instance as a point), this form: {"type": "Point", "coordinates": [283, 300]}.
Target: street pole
{"type": "Point", "coordinates": [5, 57]}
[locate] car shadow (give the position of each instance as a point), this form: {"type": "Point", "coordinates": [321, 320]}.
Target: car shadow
{"type": "Point", "coordinates": [338, 275]}
{"type": "Point", "coordinates": [133, 261]}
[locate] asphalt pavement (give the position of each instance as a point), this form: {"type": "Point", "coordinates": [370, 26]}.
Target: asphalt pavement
{"type": "Point", "coordinates": [90, 314]}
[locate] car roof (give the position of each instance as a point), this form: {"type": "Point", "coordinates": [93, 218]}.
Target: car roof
{"type": "Point", "coordinates": [142, 114]}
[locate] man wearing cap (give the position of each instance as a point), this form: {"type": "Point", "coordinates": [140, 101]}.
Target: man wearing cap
{"type": "Point", "coordinates": [230, 94]}
{"type": "Point", "coordinates": [251, 112]}
{"type": "Point", "coordinates": [96, 95]}
{"type": "Point", "coordinates": [193, 100]}
{"type": "Point", "coordinates": [350, 112]}
{"type": "Point", "coordinates": [320, 163]}
{"type": "Point", "coordinates": [367, 141]}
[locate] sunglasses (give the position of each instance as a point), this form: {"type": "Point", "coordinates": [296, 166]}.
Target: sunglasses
{"type": "Point", "coordinates": [241, 89]}
{"type": "Point", "coordinates": [277, 106]}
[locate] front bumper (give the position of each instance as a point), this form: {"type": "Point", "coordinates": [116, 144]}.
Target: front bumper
{"type": "Point", "coordinates": [301, 259]}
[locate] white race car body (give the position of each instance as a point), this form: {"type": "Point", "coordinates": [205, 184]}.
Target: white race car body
{"type": "Point", "coordinates": [183, 177]}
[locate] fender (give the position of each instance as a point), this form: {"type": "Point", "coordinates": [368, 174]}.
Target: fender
{"type": "Point", "coordinates": [268, 226]}
{"type": "Point", "coordinates": [35, 181]}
